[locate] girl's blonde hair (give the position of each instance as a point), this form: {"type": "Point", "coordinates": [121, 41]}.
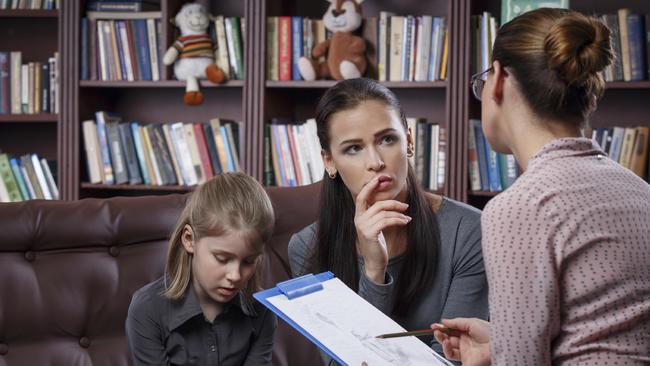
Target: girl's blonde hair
{"type": "Point", "coordinates": [227, 202]}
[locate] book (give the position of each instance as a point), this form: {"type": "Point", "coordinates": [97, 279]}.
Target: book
{"type": "Point", "coordinates": [343, 324]}
{"type": "Point", "coordinates": [128, 148]}
{"type": "Point", "coordinates": [222, 46]}
{"type": "Point", "coordinates": [202, 146]}
{"type": "Point", "coordinates": [117, 155]}
{"type": "Point", "coordinates": [18, 175]}
{"type": "Point", "coordinates": [140, 153]}
{"type": "Point", "coordinates": [639, 158]}
{"type": "Point", "coordinates": [40, 177]}
{"type": "Point", "coordinates": [284, 48]}
{"type": "Point", "coordinates": [92, 150]}
{"type": "Point", "coordinates": [628, 146]}
{"type": "Point", "coordinates": [101, 118]}
{"type": "Point", "coordinates": [152, 162]}
{"type": "Point", "coordinates": [212, 148]}
{"type": "Point", "coordinates": [51, 183]}
{"type": "Point", "coordinates": [636, 41]}
{"type": "Point", "coordinates": [296, 46]}
{"type": "Point", "coordinates": [194, 153]}
{"type": "Point", "coordinates": [166, 129]}
{"type": "Point", "coordinates": [272, 40]}
{"type": "Point", "coordinates": [15, 76]}
{"type": "Point", "coordinates": [5, 81]}
{"type": "Point", "coordinates": [186, 166]}
{"type": "Point", "coordinates": [513, 8]}
{"type": "Point", "coordinates": [9, 181]}
{"type": "Point", "coordinates": [625, 43]}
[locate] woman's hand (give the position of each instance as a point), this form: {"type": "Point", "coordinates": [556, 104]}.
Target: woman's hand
{"type": "Point", "coordinates": [468, 342]}
{"type": "Point", "coordinates": [369, 222]}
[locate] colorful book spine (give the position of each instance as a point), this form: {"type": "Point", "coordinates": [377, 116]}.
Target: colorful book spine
{"type": "Point", "coordinates": [296, 40]}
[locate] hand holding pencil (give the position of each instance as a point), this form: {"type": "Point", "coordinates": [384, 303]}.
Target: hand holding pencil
{"type": "Point", "coordinates": [468, 342]}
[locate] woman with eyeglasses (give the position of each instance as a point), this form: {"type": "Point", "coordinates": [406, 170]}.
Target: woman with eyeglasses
{"type": "Point", "coordinates": [567, 247]}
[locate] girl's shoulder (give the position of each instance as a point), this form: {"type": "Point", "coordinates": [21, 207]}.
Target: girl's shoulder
{"type": "Point", "coordinates": [150, 294]}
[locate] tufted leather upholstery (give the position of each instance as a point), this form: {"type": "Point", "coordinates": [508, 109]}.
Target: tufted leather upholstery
{"type": "Point", "coordinates": [68, 271]}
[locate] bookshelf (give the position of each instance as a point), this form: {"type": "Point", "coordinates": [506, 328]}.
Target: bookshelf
{"type": "Point", "coordinates": [256, 100]}
{"type": "Point", "coordinates": [296, 100]}
{"type": "Point", "coordinates": [36, 34]}
{"type": "Point", "coordinates": [624, 103]}
{"type": "Point", "coordinates": [147, 102]}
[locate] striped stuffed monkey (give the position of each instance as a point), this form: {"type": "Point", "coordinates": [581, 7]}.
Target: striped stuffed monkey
{"type": "Point", "coordinates": [193, 52]}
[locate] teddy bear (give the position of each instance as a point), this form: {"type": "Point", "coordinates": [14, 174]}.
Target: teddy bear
{"type": "Point", "coordinates": [345, 51]}
{"type": "Point", "coordinates": [193, 52]}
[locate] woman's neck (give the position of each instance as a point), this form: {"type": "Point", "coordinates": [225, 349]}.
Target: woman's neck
{"type": "Point", "coordinates": [530, 133]}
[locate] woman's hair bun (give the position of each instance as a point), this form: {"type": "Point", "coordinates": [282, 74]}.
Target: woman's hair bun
{"type": "Point", "coordinates": [578, 49]}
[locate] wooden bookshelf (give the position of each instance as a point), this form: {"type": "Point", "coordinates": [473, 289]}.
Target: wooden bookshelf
{"type": "Point", "coordinates": [25, 118]}
{"type": "Point", "coordinates": [135, 187]}
{"type": "Point", "coordinates": [36, 34]}
{"type": "Point", "coordinates": [156, 84]}
{"type": "Point", "coordinates": [27, 13]}
{"type": "Point", "coordinates": [624, 103]}
{"type": "Point", "coordinates": [323, 84]}
{"type": "Point", "coordinates": [256, 100]}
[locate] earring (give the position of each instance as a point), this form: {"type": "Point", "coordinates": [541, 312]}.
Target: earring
{"type": "Point", "coordinates": [409, 151]}
{"type": "Point", "coordinates": [332, 175]}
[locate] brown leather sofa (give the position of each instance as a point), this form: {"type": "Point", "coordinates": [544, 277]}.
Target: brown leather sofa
{"type": "Point", "coordinates": [68, 271]}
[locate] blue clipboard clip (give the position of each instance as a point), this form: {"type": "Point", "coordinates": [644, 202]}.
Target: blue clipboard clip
{"type": "Point", "coordinates": [293, 289]}
{"type": "Point", "coordinates": [301, 286]}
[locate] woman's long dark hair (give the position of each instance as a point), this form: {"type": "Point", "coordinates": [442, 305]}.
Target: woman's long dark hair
{"type": "Point", "coordinates": [336, 233]}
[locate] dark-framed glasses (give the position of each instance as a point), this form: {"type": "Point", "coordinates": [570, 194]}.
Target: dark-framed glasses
{"type": "Point", "coordinates": [478, 82]}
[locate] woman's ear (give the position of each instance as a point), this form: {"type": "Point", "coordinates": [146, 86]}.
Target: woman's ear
{"type": "Point", "coordinates": [498, 79]}
{"type": "Point", "coordinates": [329, 162]}
{"type": "Point", "coordinates": [187, 239]}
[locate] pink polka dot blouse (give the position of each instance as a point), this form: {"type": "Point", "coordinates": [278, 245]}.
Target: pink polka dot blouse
{"type": "Point", "coordinates": [567, 254]}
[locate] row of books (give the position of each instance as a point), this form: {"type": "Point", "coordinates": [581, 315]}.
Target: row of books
{"type": "Point", "coordinates": [401, 48]}
{"type": "Point", "coordinates": [121, 49]}
{"type": "Point", "coordinates": [28, 88]}
{"type": "Point", "coordinates": [411, 48]}
{"type": "Point", "coordinates": [630, 37]}
{"type": "Point", "coordinates": [626, 145]}
{"type": "Point", "coordinates": [30, 4]}
{"type": "Point", "coordinates": [228, 35]}
{"type": "Point", "coordinates": [288, 39]}
{"type": "Point", "coordinates": [488, 170]}
{"type": "Point", "coordinates": [158, 154]}
{"type": "Point", "coordinates": [429, 159]}
{"type": "Point", "coordinates": [26, 177]}
{"type": "Point", "coordinates": [292, 153]}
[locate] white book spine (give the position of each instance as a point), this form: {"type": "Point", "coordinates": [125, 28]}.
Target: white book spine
{"type": "Point", "coordinates": [16, 82]}
{"type": "Point", "coordinates": [50, 180]}
{"type": "Point", "coordinates": [153, 49]}
{"type": "Point", "coordinates": [40, 175]}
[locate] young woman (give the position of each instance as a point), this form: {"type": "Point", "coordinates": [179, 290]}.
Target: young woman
{"type": "Point", "coordinates": [414, 255]}
{"type": "Point", "coordinates": [201, 311]}
{"type": "Point", "coordinates": [567, 247]}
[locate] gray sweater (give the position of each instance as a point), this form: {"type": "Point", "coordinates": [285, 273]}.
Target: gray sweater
{"type": "Point", "coordinates": [459, 288]}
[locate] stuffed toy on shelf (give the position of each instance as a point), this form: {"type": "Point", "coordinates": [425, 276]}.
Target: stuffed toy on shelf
{"type": "Point", "coordinates": [344, 51]}
{"type": "Point", "coordinates": [193, 53]}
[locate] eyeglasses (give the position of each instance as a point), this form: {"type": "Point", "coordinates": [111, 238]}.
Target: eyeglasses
{"type": "Point", "coordinates": [478, 82]}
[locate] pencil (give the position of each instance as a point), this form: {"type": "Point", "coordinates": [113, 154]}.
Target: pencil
{"type": "Point", "coordinates": [414, 333]}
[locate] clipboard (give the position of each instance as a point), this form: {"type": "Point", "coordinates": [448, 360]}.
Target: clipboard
{"type": "Point", "coordinates": [342, 324]}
